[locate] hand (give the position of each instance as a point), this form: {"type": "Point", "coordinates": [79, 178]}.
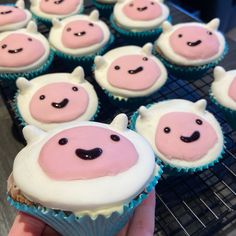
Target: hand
{"type": "Point", "coordinates": [142, 223]}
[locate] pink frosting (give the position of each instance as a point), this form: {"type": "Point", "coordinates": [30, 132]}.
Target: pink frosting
{"type": "Point", "coordinates": [142, 10]}
{"type": "Point", "coordinates": [174, 125]}
{"type": "Point", "coordinates": [194, 42]}
{"type": "Point", "coordinates": [133, 72]}
{"type": "Point", "coordinates": [11, 15]}
{"type": "Point", "coordinates": [59, 158]}
{"type": "Point", "coordinates": [18, 50]}
{"type": "Point", "coordinates": [59, 7]}
{"type": "Point", "coordinates": [81, 33]}
{"type": "Point", "coordinates": [232, 90]}
{"type": "Point", "coordinates": [59, 102]}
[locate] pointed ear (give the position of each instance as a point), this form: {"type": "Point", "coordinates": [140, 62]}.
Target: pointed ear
{"type": "Point", "coordinates": [23, 84]}
{"type": "Point", "coordinates": [120, 1]}
{"type": "Point", "coordinates": [100, 62]}
{"type": "Point", "coordinates": [143, 112]}
{"type": "Point", "coordinates": [78, 73]}
{"type": "Point", "coordinates": [166, 26]}
{"type": "Point", "coordinates": [56, 23]}
{"type": "Point", "coordinates": [20, 4]}
{"type": "Point", "coordinates": [200, 105]}
{"type": "Point", "coordinates": [214, 24]}
{"type": "Point", "coordinates": [120, 122]}
{"type": "Point", "coordinates": [32, 134]}
{"type": "Point", "coordinates": [33, 2]}
{"type": "Point", "coordinates": [32, 27]}
{"type": "Point", "coordinates": [94, 15]}
{"type": "Point", "coordinates": [147, 49]}
{"type": "Point", "coordinates": [219, 73]}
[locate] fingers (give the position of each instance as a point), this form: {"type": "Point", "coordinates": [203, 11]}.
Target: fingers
{"type": "Point", "coordinates": [48, 231]}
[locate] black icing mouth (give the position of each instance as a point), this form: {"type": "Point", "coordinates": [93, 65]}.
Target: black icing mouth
{"type": "Point", "coordinates": [90, 154]}
{"type": "Point", "coordinates": [61, 104]}
{"type": "Point", "coordinates": [5, 12]}
{"type": "Point", "coordinates": [194, 44]}
{"type": "Point", "coordinates": [15, 50]}
{"type": "Point", "coordinates": [59, 2]}
{"type": "Point", "coordinates": [82, 33]}
{"type": "Point", "coordinates": [135, 71]}
{"type": "Point", "coordinates": [142, 9]}
{"type": "Point", "coordinates": [194, 137]}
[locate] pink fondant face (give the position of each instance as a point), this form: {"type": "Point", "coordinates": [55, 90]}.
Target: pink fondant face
{"type": "Point", "coordinates": [18, 50]}
{"type": "Point", "coordinates": [142, 10]}
{"type": "Point", "coordinates": [59, 7]}
{"type": "Point", "coordinates": [133, 72]}
{"type": "Point", "coordinates": [81, 34]}
{"type": "Point", "coordinates": [232, 90]}
{"type": "Point", "coordinates": [184, 136]}
{"type": "Point", "coordinates": [194, 42]}
{"type": "Point", "coordinates": [11, 15]}
{"type": "Point", "coordinates": [59, 102]}
{"type": "Point", "coordinates": [87, 152]}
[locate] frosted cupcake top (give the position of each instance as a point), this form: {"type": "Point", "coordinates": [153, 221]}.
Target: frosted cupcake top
{"type": "Point", "coordinates": [14, 17]}
{"type": "Point", "coordinates": [191, 43]}
{"type": "Point", "coordinates": [130, 71]}
{"type": "Point", "coordinates": [181, 133]}
{"type": "Point", "coordinates": [140, 15]}
{"type": "Point", "coordinates": [84, 163]}
{"type": "Point", "coordinates": [223, 87]}
{"type": "Point", "coordinates": [23, 49]}
{"type": "Point", "coordinates": [52, 99]}
{"type": "Point", "coordinates": [79, 35]}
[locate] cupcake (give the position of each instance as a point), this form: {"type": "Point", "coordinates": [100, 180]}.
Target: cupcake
{"type": "Point", "coordinates": [129, 73]}
{"type": "Point", "coordinates": [14, 17]}
{"type": "Point", "coordinates": [139, 19]}
{"type": "Point", "coordinates": [223, 93]}
{"type": "Point", "coordinates": [105, 7]}
{"type": "Point", "coordinates": [78, 39]}
{"type": "Point", "coordinates": [189, 50]}
{"type": "Point", "coordinates": [83, 164]}
{"type": "Point", "coordinates": [45, 10]}
{"type": "Point", "coordinates": [183, 135]}
{"type": "Point", "coordinates": [24, 52]}
{"type": "Point", "coordinates": [50, 100]}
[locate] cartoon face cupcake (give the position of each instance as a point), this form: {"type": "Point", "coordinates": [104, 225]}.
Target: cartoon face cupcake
{"type": "Point", "coordinates": [182, 134]}
{"type": "Point", "coordinates": [130, 71]}
{"type": "Point", "coordinates": [23, 50]}
{"type": "Point", "coordinates": [14, 17]}
{"type": "Point", "coordinates": [52, 99]}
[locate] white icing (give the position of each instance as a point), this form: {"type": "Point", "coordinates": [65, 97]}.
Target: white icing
{"type": "Point", "coordinates": [147, 127]}
{"type": "Point", "coordinates": [109, 57]}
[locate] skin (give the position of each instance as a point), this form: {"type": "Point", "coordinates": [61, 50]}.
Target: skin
{"type": "Point", "coordinates": [142, 223]}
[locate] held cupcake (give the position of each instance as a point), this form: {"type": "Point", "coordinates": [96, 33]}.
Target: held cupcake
{"type": "Point", "coordinates": [24, 53]}
{"type": "Point", "coordinates": [50, 100]}
{"type": "Point", "coordinates": [105, 7]}
{"type": "Point", "coordinates": [14, 17]}
{"type": "Point", "coordinates": [139, 19]}
{"type": "Point", "coordinates": [45, 10]}
{"type": "Point", "coordinates": [78, 39]}
{"type": "Point", "coordinates": [189, 50]}
{"type": "Point", "coordinates": [223, 93]}
{"type": "Point", "coordinates": [129, 73]}
{"type": "Point", "coordinates": [183, 135]}
{"type": "Point", "coordinates": [83, 164]}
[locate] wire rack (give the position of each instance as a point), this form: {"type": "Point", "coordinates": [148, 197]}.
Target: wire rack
{"type": "Point", "coordinates": [196, 204]}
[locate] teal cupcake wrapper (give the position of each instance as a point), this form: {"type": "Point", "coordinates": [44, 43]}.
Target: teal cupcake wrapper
{"type": "Point", "coordinates": [29, 75]}
{"type": "Point", "coordinates": [71, 225]}
{"type": "Point", "coordinates": [104, 9]}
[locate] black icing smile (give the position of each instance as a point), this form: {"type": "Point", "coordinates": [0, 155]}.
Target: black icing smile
{"type": "Point", "coordinates": [61, 104]}
{"type": "Point", "coordinates": [193, 44]}
{"type": "Point", "coordinates": [135, 71]}
{"type": "Point", "coordinates": [59, 2]}
{"type": "Point", "coordinates": [142, 8]}
{"type": "Point", "coordinates": [90, 154]}
{"type": "Point", "coordinates": [5, 12]}
{"type": "Point", "coordinates": [194, 137]}
{"type": "Point", "coordinates": [82, 33]}
{"type": "Point", "coordinates": [15, 50]}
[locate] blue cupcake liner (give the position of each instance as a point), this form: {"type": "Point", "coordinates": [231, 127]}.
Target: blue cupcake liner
{"type": "Point", "coordinates": [29, 74]}
{"type": "Point", "coordinates": [172, 169]}
{"type": "Point", "coordinates": [68, 224]}
{"type": "Point", "coordinates": [105, 9]}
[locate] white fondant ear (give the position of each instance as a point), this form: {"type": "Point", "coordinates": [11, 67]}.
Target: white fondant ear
{"type": "Point", "coordinates": [147, 49]}
{"type": "Point", "coordinates": [120, 1]}
{"type": "Point", "coordinates": [100, 62]}
{"type": "Point", "coordinates": [78, 73]}
{"type": "Point", "coordinates": [214, 24]}
{"type": "Point", "coordinates": [166, 26]}
{"type": "Point", "coordinates": [32, 133]}
{"type": "Point", "coordinates": [23, 84]}
{"type": "Point", "coordinates": [56, 23]}
{"type": "Point", "coordinates": [143, 112]}
{"type": "Point", "coordinates": [20, 4]}
{"type": "Point", "coordinates": [200, 105]}
{"type": "Point", "coordinates": [32, 27]}
{"type": "Point", "coordinates": [33, 2]}
{"type": "Point", "coordinates": [161, 1]}
{"type": "Point", "coordinates": [219, 73]}
{"type": "Point", "coordinates": [94, 15]}
{"type": "Point", "coordinates": [120, 122]}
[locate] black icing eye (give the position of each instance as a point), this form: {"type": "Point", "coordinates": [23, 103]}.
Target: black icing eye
{"type": "Point", "coordinates": [75, 89]}
{"type": "Point", "coordinates": [30, 39]}
{"type": "Point", "coordinates": [91, 24]}
{"type": "Point", "coordinates": [15, 6]}
{"type": "Point", "coordinates": [208, 32]}
{"type": "Point", "coordinates": [199, 122]}
{"type": "Point", "coordinates": [115, 138]}
{"type": "Point", "coordinates": [167, 130]}
{"type": "Point", "coordinates": [131, 4]}
{"type": "Point", "coordinates": [63, 141]}
{"type": "Point", "coordinates": [42, 97]}
{"type": "Point", "coordinates": [145, 58]}
{"type": "Point", "coordinates": [180, 35]}
{"type": "Point", "coordinates": [117, 67]}
{"type": "Point", "coordinates": [4, 46]}
{"type": "Point", "coordinates": [152, 3]}
{"type": "Point", "coordinates": [68, 29]}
